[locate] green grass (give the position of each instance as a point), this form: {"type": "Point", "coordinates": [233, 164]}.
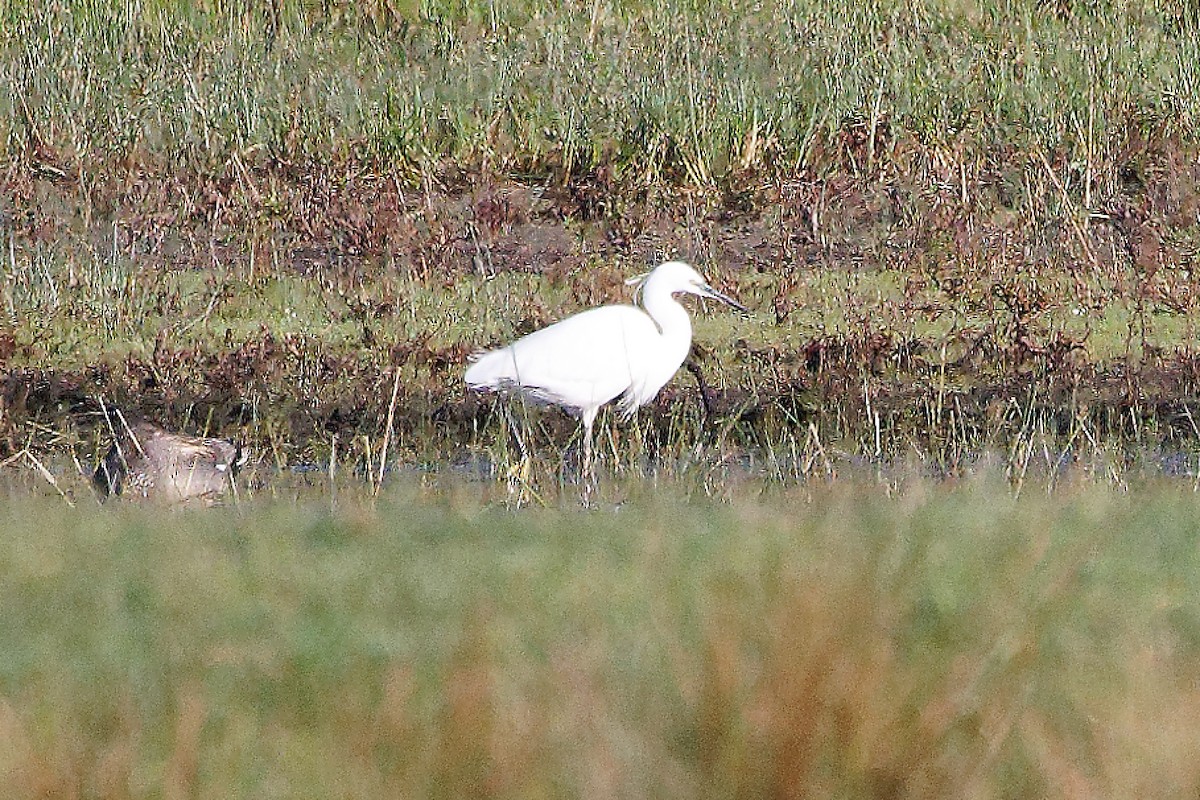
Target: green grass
{"type": "Point", "coordinates": [688, 91]}
{"type": "Point", "coordinates": [256, 217]}
{"type": "Point", "coordinates": [284, 361]}
{"type": "Point", "coordinates": [932, 642]}
{"type": "Point", "coordinates": [274, 207]}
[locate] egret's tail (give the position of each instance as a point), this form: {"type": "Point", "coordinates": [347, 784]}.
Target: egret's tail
{"type": "Point", "coordinates": [493, 370]}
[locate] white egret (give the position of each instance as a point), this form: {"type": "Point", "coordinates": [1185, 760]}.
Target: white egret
{"type": "Point", "coordinates": [588, 359]}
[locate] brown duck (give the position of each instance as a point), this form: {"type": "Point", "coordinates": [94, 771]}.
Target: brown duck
{"type": "Point", "coordinates": [150, 463]}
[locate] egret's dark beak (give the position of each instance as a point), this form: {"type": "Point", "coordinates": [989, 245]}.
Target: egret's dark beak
{"type": "Point", "coordinates": [708, 291]}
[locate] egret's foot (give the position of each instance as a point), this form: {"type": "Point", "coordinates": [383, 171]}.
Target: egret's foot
{"type": "Point", "coordinates": [587, 493]}
{"type": "Point", "coordinates": [517, 477]}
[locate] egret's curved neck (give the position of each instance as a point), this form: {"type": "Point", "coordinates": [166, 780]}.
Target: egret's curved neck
{"type": "Point", "coordinates": [670, 317]}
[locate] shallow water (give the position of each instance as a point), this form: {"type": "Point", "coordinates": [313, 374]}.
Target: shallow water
{"type": "Point", "coordinates": [733, 474]}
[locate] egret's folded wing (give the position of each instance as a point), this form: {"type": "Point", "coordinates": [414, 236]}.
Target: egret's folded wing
{"type": "Point", "coordinates": [584, 360]}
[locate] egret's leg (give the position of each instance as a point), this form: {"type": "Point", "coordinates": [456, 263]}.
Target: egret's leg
{"type": "Point", "coordinates": [515, 429]}
{"type": "Point", "coordinates": [589, 467]}
{"type": "Point", "coordinates": [517, 474]}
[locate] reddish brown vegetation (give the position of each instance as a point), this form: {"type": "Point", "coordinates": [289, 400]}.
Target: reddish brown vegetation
{"type": "Point", "coordinates": [999, 243]}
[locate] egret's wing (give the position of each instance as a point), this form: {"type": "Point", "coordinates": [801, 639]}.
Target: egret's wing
{"type": "Point", "coordinates": [583, 361]}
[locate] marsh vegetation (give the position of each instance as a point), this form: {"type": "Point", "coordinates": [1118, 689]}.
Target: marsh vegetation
{"type": "Point", "coordinates": [921, 527]}
{"type": "Point", "coordinates": [958, 222]}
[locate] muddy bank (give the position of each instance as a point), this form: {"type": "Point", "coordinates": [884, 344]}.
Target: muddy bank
{"type": "Point", "coordinates": [872, 398]}
{"type": "Point", "coordinates": [973, 293]}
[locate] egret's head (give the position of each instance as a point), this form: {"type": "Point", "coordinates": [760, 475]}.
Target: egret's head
{"type": "Point", "coordinates": [675, 277]}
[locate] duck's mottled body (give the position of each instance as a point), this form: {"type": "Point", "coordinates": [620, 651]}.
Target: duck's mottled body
{"type": "Point", "coordinates": [147, 462]}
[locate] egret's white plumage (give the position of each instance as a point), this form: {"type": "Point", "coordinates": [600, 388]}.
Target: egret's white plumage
{"type": "Point", "coordinates": [595, 356]}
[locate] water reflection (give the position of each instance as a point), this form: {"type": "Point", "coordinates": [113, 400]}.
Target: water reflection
{"type": "Point", "coordinates": [735, 472]}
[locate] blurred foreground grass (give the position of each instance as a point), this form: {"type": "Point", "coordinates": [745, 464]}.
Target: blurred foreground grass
{"type": "Point", "coordinates": [828, 642]}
